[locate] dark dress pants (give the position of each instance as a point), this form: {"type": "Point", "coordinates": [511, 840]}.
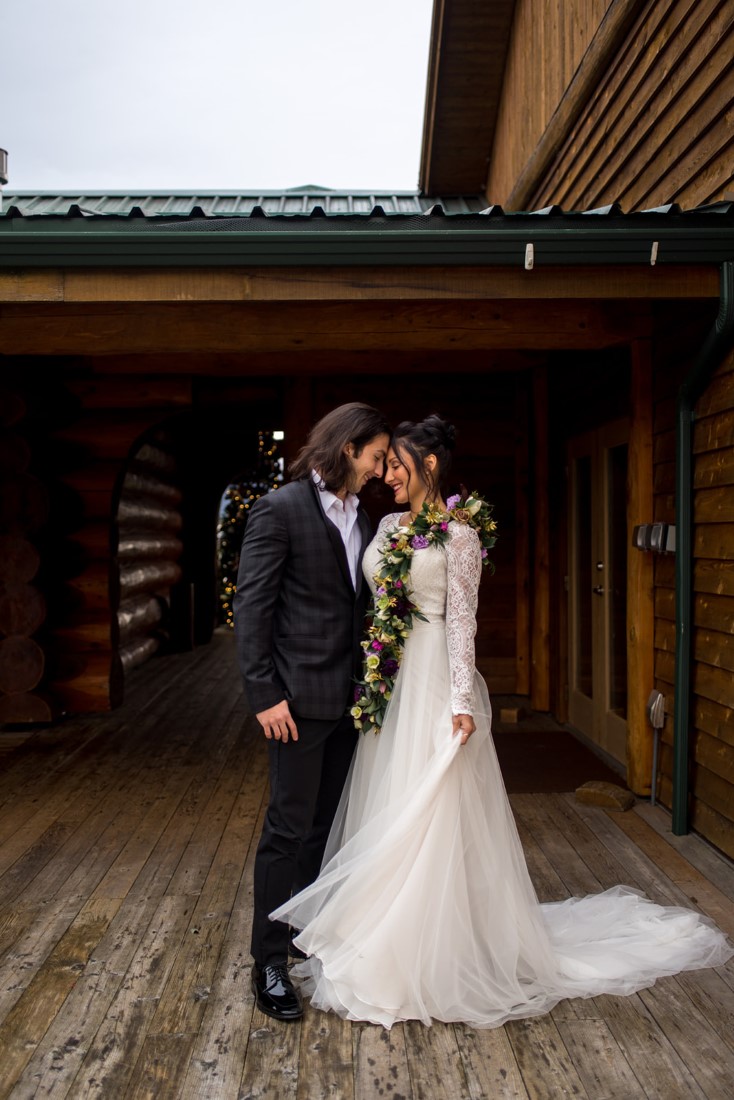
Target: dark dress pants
{"type": "Point", "coordinates": [306, 782]}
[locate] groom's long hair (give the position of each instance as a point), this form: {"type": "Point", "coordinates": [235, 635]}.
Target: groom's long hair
{"type": "Point", "coordinates": [353, 423]}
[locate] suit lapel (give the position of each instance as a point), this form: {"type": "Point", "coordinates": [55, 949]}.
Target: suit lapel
{"type": "Point", "coordinates": [335, 539]}
{"type": "Point", "coordinates": [365, 528]}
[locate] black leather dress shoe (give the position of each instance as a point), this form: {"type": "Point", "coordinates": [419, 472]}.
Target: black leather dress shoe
{"type": "Point", "coordinates": [293, 951]}
{"type": "Point", "coordinates": [275, 994]}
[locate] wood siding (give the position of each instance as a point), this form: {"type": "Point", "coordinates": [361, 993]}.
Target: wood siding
{"type": "Point", "coordinates": [712, 724]}
{"type": "Point", "coordinates": [547, 45]}
{"type": "Point", "coordinates": [646, 121]}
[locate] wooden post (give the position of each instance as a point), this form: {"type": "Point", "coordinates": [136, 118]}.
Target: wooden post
{"type": "Point", "coordinates": [522, 540]}
{"type": "Point", "coordinates": [640, 574]}
{"type": "Point", "coordinates": [540, 643]}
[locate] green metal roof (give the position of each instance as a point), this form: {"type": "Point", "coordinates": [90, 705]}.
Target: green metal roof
{"type": "Point", "coordinates": [296, 200]}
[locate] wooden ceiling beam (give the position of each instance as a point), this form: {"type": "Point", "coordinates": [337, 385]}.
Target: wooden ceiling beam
{"type": "Point", "coordinates": [291, 284]}
{"type": "Point", "coordinates": [312, 364]}
{"type": "Point", "coordinates": [105, 329]}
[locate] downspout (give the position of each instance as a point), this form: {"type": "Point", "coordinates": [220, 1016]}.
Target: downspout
{"type": "Point", "coordinates": [715, 346]}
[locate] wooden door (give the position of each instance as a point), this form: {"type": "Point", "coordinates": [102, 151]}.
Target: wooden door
{"type": "Point", "coordinates": [597, 583]}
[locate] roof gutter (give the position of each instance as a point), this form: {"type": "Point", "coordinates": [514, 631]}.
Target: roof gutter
{"type": "Point", "coordinates": [501, 241]}
{"type": "Point", "coordinates": [716, 345]}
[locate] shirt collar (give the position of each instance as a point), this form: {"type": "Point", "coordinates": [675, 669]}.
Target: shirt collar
{"type": "Point", "coordinates": [351, 501]}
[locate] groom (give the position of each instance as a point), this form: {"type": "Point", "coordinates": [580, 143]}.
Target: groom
{"type": "Point", "coordinates": [299, 612]}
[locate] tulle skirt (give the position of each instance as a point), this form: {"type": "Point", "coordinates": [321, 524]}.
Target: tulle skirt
{"type": "Point", "coordinates": [424, 908]}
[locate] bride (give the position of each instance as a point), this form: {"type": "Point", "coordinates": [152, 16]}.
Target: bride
{"type": "Point", "coordinates": [424, 909]}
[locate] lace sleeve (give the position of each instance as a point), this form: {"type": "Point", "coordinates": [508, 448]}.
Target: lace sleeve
{"type": "Point", "coordinates": [464, 573]}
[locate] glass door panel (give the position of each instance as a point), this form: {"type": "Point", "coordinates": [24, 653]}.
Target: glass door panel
{"type": "Point", "coordinates": [597, 586]}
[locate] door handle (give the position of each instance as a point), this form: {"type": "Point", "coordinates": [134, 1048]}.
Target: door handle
{"type": "Point", "coordinates": [598, 589]}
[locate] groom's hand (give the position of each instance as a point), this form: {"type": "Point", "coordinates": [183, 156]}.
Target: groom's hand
{"type": "Point", "coordinates": [277, 722]}
{"type": "Point", "coordinates": [463, 724]}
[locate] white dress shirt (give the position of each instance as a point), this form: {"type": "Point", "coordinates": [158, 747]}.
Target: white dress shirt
{"type": "Point", "coordinates": [343, 514]}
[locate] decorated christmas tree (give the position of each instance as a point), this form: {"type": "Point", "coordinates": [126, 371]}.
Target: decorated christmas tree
{"type": "Point", "coordinates": [237, 500]}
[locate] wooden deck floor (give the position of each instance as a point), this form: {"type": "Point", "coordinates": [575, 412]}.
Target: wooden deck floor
{"type": "Point", "coordinates": [126, 847]}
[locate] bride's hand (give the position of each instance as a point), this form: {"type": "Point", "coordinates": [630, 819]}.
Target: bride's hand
{"type": "Point", "coordinates": [464, 725]}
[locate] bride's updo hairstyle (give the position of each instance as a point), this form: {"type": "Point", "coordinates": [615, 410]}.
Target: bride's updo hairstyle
{"type": "Point", "coordinates": [432, 436]}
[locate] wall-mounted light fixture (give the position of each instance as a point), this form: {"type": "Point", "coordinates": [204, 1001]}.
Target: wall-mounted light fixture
{"type": "Point", "coordinates": [654, 536]}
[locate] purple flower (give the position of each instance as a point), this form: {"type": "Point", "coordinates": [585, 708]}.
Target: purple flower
{"type": "Point", "coordinates": [390, 666]}
{"type": "Point", "coordinates": [453, 501]}
{"type": "Point", "coordinates": [484, 552]}
{"type": "Point", "coordinates": [377, 645]}
{"type": "Point", "coordinates": [357, 692]}
{"type": "Point", "coordinates": [381, 591]}
{"type": "Point", "coordinates": [444, 526]}
{"type": "Point", "coordinates": [398, 584]}
{"type": "Point", "coordinates": [419, 542]}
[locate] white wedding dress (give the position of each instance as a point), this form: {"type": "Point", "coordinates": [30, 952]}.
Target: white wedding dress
{"type": "Point", "coordinates": [424, 908]}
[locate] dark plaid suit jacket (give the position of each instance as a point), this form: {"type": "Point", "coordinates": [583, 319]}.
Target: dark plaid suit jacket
{"type": "Point", "coordinates": [298, 619]}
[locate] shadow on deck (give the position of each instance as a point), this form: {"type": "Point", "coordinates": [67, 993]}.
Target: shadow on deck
{"type": "Point", "coordinates": [126, 848]}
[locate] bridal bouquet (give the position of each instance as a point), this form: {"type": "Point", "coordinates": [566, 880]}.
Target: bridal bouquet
{"type": "Point", "coordinates": [393, 610]}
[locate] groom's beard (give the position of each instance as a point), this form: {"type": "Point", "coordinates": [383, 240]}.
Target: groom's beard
{"type": "Point", "coordinates": [355, 483]}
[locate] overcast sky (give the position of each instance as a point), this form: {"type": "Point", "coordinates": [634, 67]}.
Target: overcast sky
{"type": "Point", "coordinates": [224, 94]}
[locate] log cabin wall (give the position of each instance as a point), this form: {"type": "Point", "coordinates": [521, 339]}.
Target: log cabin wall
{"type": "Point", "coordinates": [81, 430]}
{"type": "Point", "coordinates": [712, 719]}
{"type": "Point", "coordinates": [24, 516]}
{"type": "Point", "coordinates": [147, 555]}
{"type": "Point", "coordinates": [641, 117]}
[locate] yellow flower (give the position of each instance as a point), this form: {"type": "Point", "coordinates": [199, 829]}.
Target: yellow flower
{"type": "Point", "coordinates": [356, 712]}
{"type": "Point", "coordinates": [373, 661]}
{"type": "Point", "coordinates": [371, 677]}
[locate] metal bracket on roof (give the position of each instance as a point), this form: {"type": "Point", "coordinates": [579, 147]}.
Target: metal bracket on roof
{"type": "Point", "coordinates": [529, 257]}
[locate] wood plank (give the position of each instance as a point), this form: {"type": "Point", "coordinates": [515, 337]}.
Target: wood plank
{"type": "Point", "coordinates": [325, 1060]}
{"type": "Point", "coordinates": [561, 853]}
{"type": "Point", "coordinates": [433, 1056]}
{"type": "Point", "coordinates": [711, 864]}
{"type": "Point", "coordinates": [696, 1042]}
{"type": "Point", "coordinates": [544, 1061]}
{"type": "Point", "coordinates": [28, 1020]}
{"type": "Point", "coordinates": [380, 1062]}
{"type": "Point", "coordinates": [267, 284]}
{"type": "Point", "coordinates": [714, 505]}
{"type": "Point", "coordinates": [218, 1056]}
{"type": "Point", "coordinates": [657, 1066]}
{"type": "Point", "coordinates": [605, 1072]}
{"type": "Point", "coordinates": [129, 956]}
{"type": "Point", "coordinates": [488, 1060]}
{"type": "Point", "coordinates": [684, 882]}
{"type": "Point", "coordinates": [271, 1067]}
